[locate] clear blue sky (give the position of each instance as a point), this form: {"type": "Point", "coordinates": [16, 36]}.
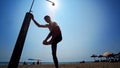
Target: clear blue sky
{"type": "Point", "coordinates": [88, 27]}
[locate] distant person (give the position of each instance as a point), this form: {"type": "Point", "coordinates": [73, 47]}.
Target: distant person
{"type": "Point", "coordinates": [38, 62]}
{"type": "Point", "coordinates": [24, 63]}
{"type": "Point", "coordinates": [33, 63]}
{"type": "Point", "coordinates": [55, 33]}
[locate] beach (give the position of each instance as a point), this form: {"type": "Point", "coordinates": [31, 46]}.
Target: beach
{"type": "Point", "coordinates": [80, 65]}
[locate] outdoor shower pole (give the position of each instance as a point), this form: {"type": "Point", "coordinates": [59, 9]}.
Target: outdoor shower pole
{"type": "Point", "coordinates": [14, 61]}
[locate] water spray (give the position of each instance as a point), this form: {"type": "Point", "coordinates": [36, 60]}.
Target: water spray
{"type": "Point", "coordinates": [53, 4]}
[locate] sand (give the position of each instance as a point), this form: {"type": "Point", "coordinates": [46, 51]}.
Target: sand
{"type": "Point", "coordinates": [81, 65]}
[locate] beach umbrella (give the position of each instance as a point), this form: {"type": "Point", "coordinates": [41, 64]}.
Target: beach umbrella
{"type": "Point", "coordinates": [100, 56]}
{"type": "Point", "coordinates": [94, 56]}
{"type": "Point", "coordinates": [106, 54]}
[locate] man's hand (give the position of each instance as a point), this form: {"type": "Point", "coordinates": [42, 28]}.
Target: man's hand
{"type": "Point", "coordinates": [32, 16]}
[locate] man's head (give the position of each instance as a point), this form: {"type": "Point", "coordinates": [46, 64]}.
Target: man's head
{"type": "Point", "coordinates": [47, 19]}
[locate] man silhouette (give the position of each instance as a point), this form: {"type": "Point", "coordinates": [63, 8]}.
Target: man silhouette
{"type": "Point", "coordinates": [55, 33]}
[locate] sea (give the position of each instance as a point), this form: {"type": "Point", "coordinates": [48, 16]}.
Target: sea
{"type": "Point", "coordinates": [31, 63]}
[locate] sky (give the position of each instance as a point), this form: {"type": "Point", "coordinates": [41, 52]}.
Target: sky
{"type": "Point", "coordinates": [88, 27]}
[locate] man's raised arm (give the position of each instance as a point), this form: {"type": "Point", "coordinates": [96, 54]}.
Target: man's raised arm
{"type": "Point", "coordinates": [38, 23]}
